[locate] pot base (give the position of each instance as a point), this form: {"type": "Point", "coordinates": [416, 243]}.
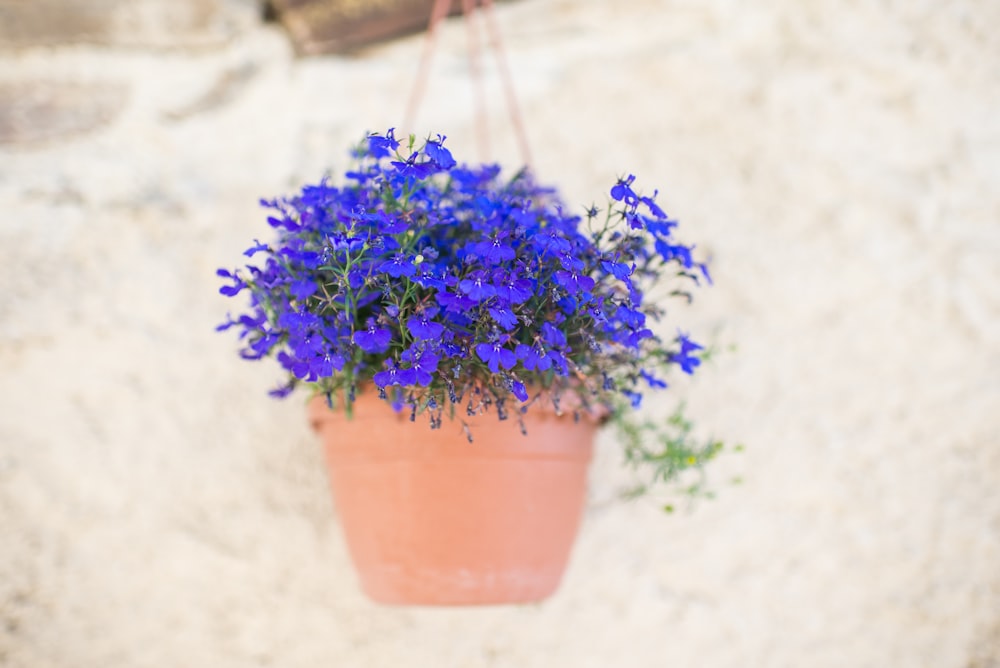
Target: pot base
{"type": "Point", "coordinates": [431, 519]}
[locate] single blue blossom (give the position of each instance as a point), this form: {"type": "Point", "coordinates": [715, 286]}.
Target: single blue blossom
{"type": "Point", "coordinates": [477, 286]}
{"type": "Point", "coordinates": [684, 357]}
{"type": "Point", "coordinates": [373, 339]}
{"type": "Point", "coordinates": [382, 147]}
{"type": "Point", "coordinates": [496, 355]}
{"type": "Point", "coordinates": [622, 191]}
{"type": "Point", "coordinates": [441, 156]}
{"type": "Point", "coordinates": [504, 317]}
{"type": "Point", "coordinates": [423, 328]}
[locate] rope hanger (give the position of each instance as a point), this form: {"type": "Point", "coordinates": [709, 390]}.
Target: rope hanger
{"type": "Point", "coordinates": [494, 42]}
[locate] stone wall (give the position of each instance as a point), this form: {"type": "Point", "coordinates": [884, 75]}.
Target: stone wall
{"type": "Point", "coordinates": [840, 162]}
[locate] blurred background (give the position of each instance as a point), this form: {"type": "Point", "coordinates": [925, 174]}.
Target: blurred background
{"type": "Point", "coordinates": [839, 161]}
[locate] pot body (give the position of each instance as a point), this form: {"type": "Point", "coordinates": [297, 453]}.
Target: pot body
{"type": "Point", "coordinates": [432, 519]}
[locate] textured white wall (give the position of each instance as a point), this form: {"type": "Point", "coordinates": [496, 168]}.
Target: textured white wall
{"type": "Point", "coordinates": [840, 160]}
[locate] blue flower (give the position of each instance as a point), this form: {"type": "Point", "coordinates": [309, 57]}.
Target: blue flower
{"type": "Point", "coordinates": [670, 252]}
{"type": "Point", "coordinates": [297, 367]}
{"type": "Point", "coordinates": [494, 250]}
{"type": "Point", "coordinates": [373, 339]}
{"type": "Point", "coordinates": [306, 344]}
{"type": "Point", "coordinates": [423, 328]}
{"type": "Point", "coordinates": [412, 169]}
{"type": "Point", "coordinates": [298, 322]}
{"type": "Point", "coordinates": [421, 370]}
{"type": "Point", "coordinates": [622, 191]}
{"type": "Point", "coordinates": [325, 364]}
{"type": "Point", "coordinates": [455, 304]}
{"type": "Point", "coordinates": [441, 156]}
{"type": "Point", "coordinates": [684, 358]}
{"type": "Point", "coordinates": [282, 391]}
{"type": "Point", "coordinates": [552, 335]}
{"type": "Point", "coordinates": [631, 318]}
{"type": "Point", "coordinates": [519, 391]}
{"type": "Point", "coordinates": [382, 147]}
{"type": "Point", "coordinates": [573, 282]}
{"type": "Point", "coordinates": [504, 317]}
{"type": "Point", "coordinates": [388, 377]}
{"type": "Point", "coordinates": [652, 380]}
{"type": "Point", "coordinates": [496, 356]}
{"type": "Point", "coordinates": [477, 286]}
{"type": "Point", "coordinates": [304, 288]}
{"type": "Point", "coordinates": [635, 398]}
{"type": "Point", "coordinates": [661, 228]}
{"type": "Point", "coordinates": [619, 270]}
{"type": "Point", "coordinates": [652, 205]}
{"type": "Point", "coordinates": [513, 289]}
{"type": "Point", "coordinates": [534, 358]}
{"type": "Point", "coordinates": [399, 265]}
{"type": "Point", "coordinates": [235, 288]}
{"type": "Point", "coordinates": [256, 248]}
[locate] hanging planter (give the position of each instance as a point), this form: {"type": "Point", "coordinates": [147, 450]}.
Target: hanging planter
{"type": "Point", "coordinates": [463, 334]}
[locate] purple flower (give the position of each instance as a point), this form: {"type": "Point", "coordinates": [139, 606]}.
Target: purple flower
{"type": "Point", "coordinates": [534, 358]}
{"type": "Point", "coordinates": [631, 318]}
{"type": "Point", "coordinates": [441, 156]}
{"type": "Point", "coordinates": [235, 288]}
{"type": "Point", "coordinates": [388, 377]}
{"type": "Point", "coordinates": [303, 289]}
{"type": "Point", "coordinates": [674, 251]}
{"type": "Point", "coordinates": [282, 391]}
{"type": "Point", "coordinates": [373, 339]}
{"type": "Point", "coordinates": [622, 191]}
{"type": "Point", "coordinates": [477, 286]}
{"type": "Point", "coordinates": [494, 250]}
{"type": "Point", "coordinates": [517, 387]}
{"type": "Point", "coordinates": [455, 303]}
{"type": "Point", "coordinates": [573, 282]}
{"type": "Point", "coordinates": [496, 356]}
{"type": "Point", "coordinates": [635, 337]}
{"type": "Point", "coordinates": [298, 368]}
{"type": "Point", "coordinates": [684, 358]}
{"type": "Point", "coordinates": [256, 248]}
{"type": "Point", "coordinates": [400, 265]}
{"type": "Point", "coordinates": [298, 322]}
{"type": "Point", "coordinates": [635, 399]}
{"type": "Point", "coordinates": [504, 317]}
{"type": "Point", "coordinates": [411, 170]}
{"type": "Point", "coordinates": [652, 380]}
{"type": "Point", "coordinates": [661, 228]}
{"type": "Point", "coordinates": [652, 205]}
{"type": "Point", "coordinates": [382, 147]}
{"type": "Point", "coordinates": [552, 335]}
{"type": "Point", "coordinates": [323, 365]}
{"type": "Point", "coordinates": [422, 368]}
{"type": "Point", "coordinates": [423, 328]}
{"type": "Point", "coordinates": [619, 270]}
{"type": "Point", "coordinates": [512, 289]}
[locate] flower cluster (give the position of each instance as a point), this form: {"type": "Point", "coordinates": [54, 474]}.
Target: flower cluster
{"type": "Point", "coordinates": [447, 285]}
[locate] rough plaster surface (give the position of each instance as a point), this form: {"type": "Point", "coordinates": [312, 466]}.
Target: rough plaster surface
{"type": "Point", "coordinates": [841, 162]}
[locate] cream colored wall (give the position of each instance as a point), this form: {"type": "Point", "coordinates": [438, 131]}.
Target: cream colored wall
{"type": "Point", "coordinates": [841, 162]}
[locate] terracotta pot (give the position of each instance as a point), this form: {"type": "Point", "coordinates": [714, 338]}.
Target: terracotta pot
{"type": "Point", "coordinates": [431, 519]}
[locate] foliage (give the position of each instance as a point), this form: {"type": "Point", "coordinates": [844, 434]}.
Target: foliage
{"type": "Point", "coordinates": [455, 289]}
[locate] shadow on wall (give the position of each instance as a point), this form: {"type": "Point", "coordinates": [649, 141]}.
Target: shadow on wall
{"type": "Point", "coordinates": [315, 26]}
{"type": "Point", "coordinates": [36, 112]}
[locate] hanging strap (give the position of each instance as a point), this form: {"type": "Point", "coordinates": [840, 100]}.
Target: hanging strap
{"type": "Point", "coordinates": [438, 13]}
